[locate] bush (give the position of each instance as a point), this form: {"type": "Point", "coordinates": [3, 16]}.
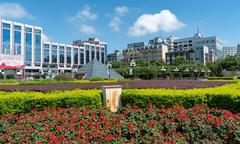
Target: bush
{"type": "Point", "coordinates": [97, 79]}
{"type": "Point", "coordinates": [225, 97]}
{"type": "Point", "coordinates": [39, 81]}
{"type": "Point", "coordinates": [221, 78]}
{"type": "Point", "coordinates": [10, 76]}
{"type": "Point", "coordinates": [1, 76]}
{"type": "Point", "coordinates": [21, 102]}
{"type": "Point", "coordinates": [9, 82]}
{"type": "Point", "coordinates": [64, 77]}
{"type": "Point", "coordinates": [199, 124]}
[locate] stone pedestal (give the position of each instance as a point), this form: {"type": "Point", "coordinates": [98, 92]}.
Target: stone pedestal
{"type": "Point", "coordinates": [111, 97]}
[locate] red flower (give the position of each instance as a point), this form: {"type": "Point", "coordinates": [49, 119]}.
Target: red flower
{"type": "Point", "coordinates": [62, 138]}
{"type": "Point", "coordinates": [218, 121]}
{"type": "Point", "coordinates": [130, 127]}
{"type": "Point", "coordinates": [5, 136]}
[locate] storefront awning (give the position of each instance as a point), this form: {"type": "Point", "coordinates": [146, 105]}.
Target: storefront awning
{"type": "Point", "coordinates": [4, 66]}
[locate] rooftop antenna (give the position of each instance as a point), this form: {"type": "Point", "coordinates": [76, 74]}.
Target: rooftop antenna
{"type": "Point", "coordinates": [198, 29]}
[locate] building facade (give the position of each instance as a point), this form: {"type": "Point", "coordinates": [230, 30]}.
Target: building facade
{"type": "Point", "coordinates": [238, 51]}
{"type": "Point", "coordinates": [22, 45]}
{"type": "Point", "coordinates": [197, 48]}
{"type": "Point", "coordinates": [229, 51]}
{"type": "Point", "coordinates": [154, 50]}
{"type": "Point", "coordinates": [116, 56]}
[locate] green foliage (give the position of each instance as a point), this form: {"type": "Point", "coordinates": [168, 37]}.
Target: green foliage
{"type": "Point", "coordinates": [222, 78]}
{"type": "Point", "coordinates": [9, 82]}
{"type": "Point", "coordinates": [215, 68]}
{"type": "Point", "coordinates": [10, 76]}
{"type": "Point", "coordinates": [230, 63]}
{"type": "Point", "coordinates": [226, 97]}
{"type": "Point", "coordinates": [39, 81]}
{"type": "Point", "coordinates": [179, 60]}
{"type": "Point", "coordinates": [97, 79]}
{"type": "Point", "coordinates": [64, 77]}
{"type": "Point", "coordinates": [1, 76]}
{"type": "Point", "coordinates": [21, 102]}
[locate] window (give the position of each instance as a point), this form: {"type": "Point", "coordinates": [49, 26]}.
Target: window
{"type": "Point", "coordinates": [87, 56]}
{"type": "Point", "coordinates": [92, 52]}
{"type": "Point", "coordinates": [6, 40]}
{"type": "Point", "coordinates": [38, 40]}
{"type": "Point", "coordinates": [69, 49]}
{"type": "Point", "coordinates": [46, 53]}
{"type": "Point", "coordinates": [102, 57]}
{"type": "Point", "coordinates": [75, 55]}
{"type": "Point", "coordinates": [61, 54]}
{"type": "Point", "coordinates": [6, 25]}
{"type": "Point", "coordinates": [54, 54]}
{"type": "Point", "coordinates": [98, 55]}
{"type": "Point", "coordinates": [17, 40]}
{"type": "Point", "coordinates": [81, 56]}
{"type": "Point", "coordinates": [28, 46]}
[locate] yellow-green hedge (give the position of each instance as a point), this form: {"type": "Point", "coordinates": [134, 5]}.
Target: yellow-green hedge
{"type": "Point", "coordinates": [226, 97]}
{"type": "Point", "coordinates": [18, 102]}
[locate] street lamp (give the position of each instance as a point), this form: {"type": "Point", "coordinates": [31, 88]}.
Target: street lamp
{"type": "Point", "coordinates": [196, 71]}
{"type": "Point", "coordinates": [109, 65]}
{"type": "Point", "coordinates": [176, 70]}
{"type": "Point", "coordinates": [163, 69]}
{"type": "Point", "coordinates": [132, 65]}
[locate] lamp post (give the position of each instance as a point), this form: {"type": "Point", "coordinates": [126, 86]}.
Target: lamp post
{"type": "Point", "coordinates": [132, 65]}
{"type": "Point", "coordinates": [176, 70]}
{"type": "Point", "coordinates": [109, 65]}
{"type": "Point", "coordinates": [196, 71]}
{"type": "Point", "coordinates": [187, 71]}
{"type": "Point", "coordinates": [163, 69]}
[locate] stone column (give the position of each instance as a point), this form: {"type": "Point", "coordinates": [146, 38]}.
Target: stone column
{"type": "Point", "coordinates": [111, 97]}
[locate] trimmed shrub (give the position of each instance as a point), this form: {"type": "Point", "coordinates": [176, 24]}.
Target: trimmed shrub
{"type": "Point", "coordinates": [64, 77]}
{"type": "Point", "coordinates": [225, 97]}
{"type": "Point", "coordinates": [1, 76]}
{"type": "Point", "coordinates": [97, 79]}
{"type": "Point", "coordinates": [39, 81]}
{"type": "Point", "coordinates": [10, 76]}
{"type": "Point", "coordinates": [222, 78]}
{"type": "Point", "coordinates": [21, 102]}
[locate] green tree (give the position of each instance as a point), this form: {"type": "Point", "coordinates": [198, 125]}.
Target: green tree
{"type": "Point", "coordinates": [230, 63]}
{"type": "Point", "coordinates": [215, 68]}
{"type": "Point", "coordinates": [179, 60]}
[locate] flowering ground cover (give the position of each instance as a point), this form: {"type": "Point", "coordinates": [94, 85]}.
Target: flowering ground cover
{"type": "Point", "coordinates": [139, 84]}
{"type": "Point", "coordinates": [130, 125]}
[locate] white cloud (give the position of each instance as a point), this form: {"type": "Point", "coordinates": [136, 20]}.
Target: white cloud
{"type": "Point", "coordinates": [116, 20]}
{"type": "Point", "coordinates": [45, 37]}
{"type": "Point", "coordinates": [13, 10]}
{"type": "Point", "coordinates": [83, 15]}
{"type": "Point", "coordinates": [115, 23]}
{"type": "Point", "coordinates": [82, 18]}
{"type": "Point", "coordinates": [87, 29]}
{"type": "Point", "coordinates": [165, 21]}
{"type": "Point", "coordinates": [121, 10]}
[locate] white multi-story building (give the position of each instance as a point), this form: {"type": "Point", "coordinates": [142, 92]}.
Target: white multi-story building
{"type": "Point", "coordinates": [23, 49]}
{"type": "Point", "coordinates": [184, 44]}
{"type": "Point", "coordinates": [229, 51]}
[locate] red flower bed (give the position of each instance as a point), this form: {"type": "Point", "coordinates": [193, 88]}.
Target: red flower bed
{"type": "Point", "coordinates": [159, 125]}
{"type": "Point", "coordinates": [169, 84]}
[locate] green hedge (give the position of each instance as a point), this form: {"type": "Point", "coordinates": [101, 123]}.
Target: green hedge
{"type": "Point", "coordinates": [226, 97]}
{"type": "Point", "coordinates": [223, 78]}
{"type": "Point", "coordinates": [21, 102]}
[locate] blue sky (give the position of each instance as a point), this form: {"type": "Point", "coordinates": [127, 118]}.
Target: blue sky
{"type": "Point", "coordinates": [120, 22]}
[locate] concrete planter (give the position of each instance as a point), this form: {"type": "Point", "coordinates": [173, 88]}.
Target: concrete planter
{"type": "Point", "coordinates": [111, 97]}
